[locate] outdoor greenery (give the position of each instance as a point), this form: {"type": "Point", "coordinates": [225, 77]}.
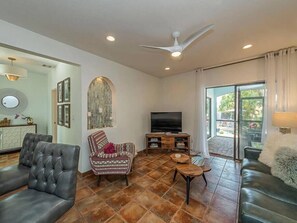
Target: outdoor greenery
{"type": "Point", "coordinates": [252, 109]}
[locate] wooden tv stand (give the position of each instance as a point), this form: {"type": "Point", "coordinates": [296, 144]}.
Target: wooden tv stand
{"type": "Point", "coordinates": [172, 141]}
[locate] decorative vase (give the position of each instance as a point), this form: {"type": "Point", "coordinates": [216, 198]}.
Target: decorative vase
{"type": "Point", "coordinates": [29, 121]}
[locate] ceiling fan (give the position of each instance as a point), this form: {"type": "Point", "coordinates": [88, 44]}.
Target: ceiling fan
{"type": "Point", "coordinates": [178, 48]}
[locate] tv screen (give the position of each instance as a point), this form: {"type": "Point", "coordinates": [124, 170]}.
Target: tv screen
{"type": "Point", "coordinates": [166, 122]}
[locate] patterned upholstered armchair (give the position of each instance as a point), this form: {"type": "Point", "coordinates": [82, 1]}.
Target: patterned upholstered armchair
{"type": "Point", "coordinates": [119, 162]}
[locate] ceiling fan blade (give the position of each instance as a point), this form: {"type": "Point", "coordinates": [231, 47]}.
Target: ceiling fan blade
{"type": "Point", "coordinates": [170, 49]}
{"type": "Point", "coordinates": [196, 35]}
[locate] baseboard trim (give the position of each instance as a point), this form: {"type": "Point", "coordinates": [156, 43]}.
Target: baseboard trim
{"type": "Point", "coordinates": [85, 173]}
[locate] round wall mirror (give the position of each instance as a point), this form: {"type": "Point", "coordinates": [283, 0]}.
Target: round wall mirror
{"type": "Point", "coordinates": [10, 102]}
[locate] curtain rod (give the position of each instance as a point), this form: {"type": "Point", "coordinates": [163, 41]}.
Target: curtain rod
{"type": "Point", "coordinates": [276, 53]}
{"type": "Point", "coordinates": [234, 62]}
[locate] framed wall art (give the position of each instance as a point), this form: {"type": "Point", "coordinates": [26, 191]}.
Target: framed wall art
{"type": "Point", "coordinates": [67, 115]}
{"type": "Point", "coordinates": [66, 90]}
{"type": "Point", "coordinates": [60, 90]}
{"type": "Point", "coordinates": [60, 115]}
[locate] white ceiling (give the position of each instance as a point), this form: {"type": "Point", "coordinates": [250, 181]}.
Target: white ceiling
{"type": "Point", "coordinates": [267, 24]}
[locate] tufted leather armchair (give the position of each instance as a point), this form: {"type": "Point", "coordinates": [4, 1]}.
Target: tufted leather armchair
{"type": "Point", "coordinates": [107, 164]}
{"type": "Point", "coordinates": [51, 188]}
{"type": "Point", "coordinates": [13, 177]}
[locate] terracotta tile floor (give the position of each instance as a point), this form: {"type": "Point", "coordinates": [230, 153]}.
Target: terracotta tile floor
{"type": "Point", "coordinates": [152, 197]}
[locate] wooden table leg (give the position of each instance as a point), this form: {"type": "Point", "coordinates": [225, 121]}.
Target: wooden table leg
{"type": "Point", "coordinates": [188, 189]}
{"type": "Point", "coordinates": [175, 172]}
{"type": "Point", "coordinates": [204, 178]}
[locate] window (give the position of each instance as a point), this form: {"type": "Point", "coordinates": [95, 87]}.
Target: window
{"type": "Point", "coordinates": [100, 103]}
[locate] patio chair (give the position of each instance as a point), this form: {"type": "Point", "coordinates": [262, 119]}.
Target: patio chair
{"type": "Point", "coordinates": [119, 162]}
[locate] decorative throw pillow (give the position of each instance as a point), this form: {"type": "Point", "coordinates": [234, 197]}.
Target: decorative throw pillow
{"type": "Point", "coordinates": [109, 148]}
{"type": "Point", "coordinates": [273, 143]}
{"type": "Point", "coordinates": [285, 166]}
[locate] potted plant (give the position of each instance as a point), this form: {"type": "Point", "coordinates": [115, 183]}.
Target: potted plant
{"type": "Point", "coordinates": [27, 118]}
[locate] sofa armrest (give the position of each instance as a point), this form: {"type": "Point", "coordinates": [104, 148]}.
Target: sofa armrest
{"type": "Point", "coordinates": [251, 153]}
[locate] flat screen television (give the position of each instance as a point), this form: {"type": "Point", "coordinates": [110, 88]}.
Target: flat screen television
{"type": "Point", "coordinates": [166, 122]}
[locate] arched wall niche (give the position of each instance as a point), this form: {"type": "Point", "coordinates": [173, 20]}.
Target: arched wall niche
{"type": "Point", "coordinates": [101, 103]}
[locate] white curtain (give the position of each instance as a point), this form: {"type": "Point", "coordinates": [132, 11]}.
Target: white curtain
{"type": "Point", "coordinates": [200, 136]}
{"type": "Point", "coordinates": [281, 85]}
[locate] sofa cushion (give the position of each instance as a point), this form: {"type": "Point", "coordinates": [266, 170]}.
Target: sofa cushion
{"type": "Point", "coordinates": [273, 143]}
{"type": "Point", "coordinates": [269, 185]}
{"type": "Point", "coordinates": [285, 166]}
{"type": "Point", "coordinates": [31, 205]}
{"type": "Point", "coordinates": [13, 177]}
{"type": "Point", "coordinates": [109, 148]}
{"type": "Point", "coordinates": [258, 207]}
{"type": "Point", "coordinates": [251, 164]}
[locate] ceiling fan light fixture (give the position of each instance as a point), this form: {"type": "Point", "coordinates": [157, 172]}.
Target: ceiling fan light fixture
{"type": "Point", "coordinates": [12, 73]}
{"type": "Point", "coordinates": [177, 48]}
{"type": "Point", "coordinates": [167, 68]}
{"type": "Point", "coordinates": [176, 54]}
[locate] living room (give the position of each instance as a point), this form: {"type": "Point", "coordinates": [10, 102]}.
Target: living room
{"type": "Point", "coordinates": [139, 92]}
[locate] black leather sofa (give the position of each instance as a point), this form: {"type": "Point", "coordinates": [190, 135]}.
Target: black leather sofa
{"type": "Point", "coordinates": [51, 187]}
{"type": "Point", "coordinates": [16, 176]}
{"type": "Point", "coordinates": [263, 197]}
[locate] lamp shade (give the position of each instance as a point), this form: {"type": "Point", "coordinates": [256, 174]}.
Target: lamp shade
{"type": "Point", "coordinates": [285, 119]}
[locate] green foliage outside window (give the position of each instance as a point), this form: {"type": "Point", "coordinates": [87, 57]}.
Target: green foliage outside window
{"type": "Point", "coordinates": [252, 109]}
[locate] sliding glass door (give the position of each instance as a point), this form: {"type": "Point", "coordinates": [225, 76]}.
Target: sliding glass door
{"type": "Point", "coordinates": [235, 118]}
{"type": "Point", "coordinates": [221, 137]}
{"type": "Point", "coordinates": [250, 116]}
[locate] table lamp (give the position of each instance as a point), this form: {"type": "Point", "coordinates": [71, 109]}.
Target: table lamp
{"type": "Point", "coordinates": [285, 121]}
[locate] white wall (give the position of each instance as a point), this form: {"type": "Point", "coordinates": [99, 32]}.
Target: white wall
{"type": "Point", "coordinates": [241, 73]}
{"type": "Point", "coordinates": [136, 92]}
{"type": "Point", "coordinates": [62, 71]}
{"type": "Point", "coordinates": [178, 92]}
{"type": "Point", "coordinates": [35, 89]}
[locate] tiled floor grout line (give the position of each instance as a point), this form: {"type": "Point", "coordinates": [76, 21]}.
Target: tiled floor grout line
{"type": "Point", "coordinates": [208, 206]}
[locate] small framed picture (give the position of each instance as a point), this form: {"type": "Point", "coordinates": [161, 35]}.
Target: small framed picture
{"type": "Point", "coordinates": [66, 91]}
{"type": "Point", "coordinates": [60, 114]}
{"type": "Point", "coordinates": [60, 89]}
{"type": "Point", "coordinates": [67, 115]}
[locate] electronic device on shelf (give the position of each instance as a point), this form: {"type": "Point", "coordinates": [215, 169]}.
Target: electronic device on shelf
{"type": "Point", "coordinates": [166, 122]}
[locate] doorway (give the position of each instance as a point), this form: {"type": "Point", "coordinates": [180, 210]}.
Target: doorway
{"type": "Point", "coordinates": [234, 118]}
{"type": "Point", "coordinates": [54, 115]}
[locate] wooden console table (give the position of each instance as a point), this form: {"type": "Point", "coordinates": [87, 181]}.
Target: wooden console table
{"type": "Point", "coordinates": [180, 141]}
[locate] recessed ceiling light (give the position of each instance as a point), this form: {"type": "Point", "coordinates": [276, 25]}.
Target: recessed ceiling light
{"type": "Point", "coordinates": [110, 38]}
{"type": "Point", "coordinates": [167, 68]}
{"type": "Point", "coordinates": [247, 46]}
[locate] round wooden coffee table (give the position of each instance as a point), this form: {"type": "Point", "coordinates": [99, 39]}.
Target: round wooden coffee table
{"type": "Point", "coordinates": [189, 171]}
